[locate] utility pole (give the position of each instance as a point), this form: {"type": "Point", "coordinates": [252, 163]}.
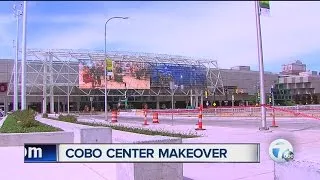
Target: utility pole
{"type": "Point", "coordinates": [17, 14]}
{"type": "Point", "coordinates": [23, 62]}
{"type": "Point", "coordinates": [261, 69]}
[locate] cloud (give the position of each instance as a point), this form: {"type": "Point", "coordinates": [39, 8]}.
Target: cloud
{"type": "Point", "coordinates": [225, 31]}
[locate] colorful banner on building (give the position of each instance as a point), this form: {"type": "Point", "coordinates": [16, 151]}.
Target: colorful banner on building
{"type": "Point", "coordinates": [121, 74]}
{"type": "Point", "coordinates": [109, 66]}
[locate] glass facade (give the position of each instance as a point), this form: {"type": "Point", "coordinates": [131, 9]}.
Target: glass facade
{"type": "Point", "coordinates": [186, 75]}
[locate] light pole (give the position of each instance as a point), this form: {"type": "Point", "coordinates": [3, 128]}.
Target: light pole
{"type": "Point", "coordinates": [17, 14]}
{"type": "Point", "coordinates": [272, 94]}
{"type": "Point", "coordinates": [257, 94]}
{"type": "Point", "coordinates": [91, 99]}
{"type": "Point", "coordinates": [23, 59]}
{"type": "Point", "coordinates": [261, 68]}
{"type": "Point", "coordinates": [105, 65]}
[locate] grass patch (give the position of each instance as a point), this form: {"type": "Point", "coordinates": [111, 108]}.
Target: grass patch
{"type": "Point", "coordinates": [64, 118]}
{"type": "Point", "coordinates": [142, 130]}
{"type": "Point", "coordinates": [73, 119]}
{"type": "Point", "coordinates": [68, 118]}
{"type": "Point", "coordinates": [13, 125]}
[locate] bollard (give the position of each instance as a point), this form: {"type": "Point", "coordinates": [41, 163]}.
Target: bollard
{"type": "Point", "coordinates": [145, 118]}
{"type": "Point", "coordinates": [200, 118]}
{"type": "Point", "coordinates": [95, 135]}
{"type": "Point", "coordinates": [114, 116]}
{"type": "Point", "coordinates": [273, 118]}
{"type": "Point", "coordinates": [155, 118]}
{"type": "Point", "coordinates": [153, 171]}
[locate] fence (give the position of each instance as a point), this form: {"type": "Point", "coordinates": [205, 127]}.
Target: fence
{"type": "Point", "coordinates": [312, 111]}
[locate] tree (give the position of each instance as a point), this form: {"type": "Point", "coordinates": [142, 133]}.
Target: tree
{"type": "Point", "coordinates": [252, 100]}
{"type": "Point", "coordinates": [289, 103]}
{"type": "Point", "coordinates": [315, 99]}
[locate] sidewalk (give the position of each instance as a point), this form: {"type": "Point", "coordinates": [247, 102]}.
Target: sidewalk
{"type": "Point", "coordinates": [176, 127]}
{"type": "Point", "coordinates": [195, 117]}
{"type": "Point", "coordinates": [306, 146]}
{"type": "Point", "coordinates": [301, 140]}
{"type": "Point", "coordinates": [12, 167]}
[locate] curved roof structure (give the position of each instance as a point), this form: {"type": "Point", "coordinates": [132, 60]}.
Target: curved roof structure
{"type": "Point", "coordinates": [59, 71]}
{"type": "Point", "coordinates": [133, 56]}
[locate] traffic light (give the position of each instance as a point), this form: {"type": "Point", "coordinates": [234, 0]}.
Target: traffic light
{"type": "Point", "coordinates": [206, 94]}
{"type": "Point", "coordinates": [272, 90]}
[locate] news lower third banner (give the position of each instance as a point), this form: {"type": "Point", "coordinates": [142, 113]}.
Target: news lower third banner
{"type": "Point", "coordinates": [129, 153]}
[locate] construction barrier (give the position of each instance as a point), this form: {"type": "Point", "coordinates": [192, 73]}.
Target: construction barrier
{"type": "Point", "coordinates": [200, 119]}
{"type": "Point", "coordinates": [155, 118]}
{"type": "Point", "coordinates": [139, 112]}
{"type": "Point", "coordinates": [114, 116]}
{"type": "Point", "coordinates": [295, 113]}
{"type": "Point", "coordinates": [311, 111]}
{"type": "Point", "coordinates": [174, 111]}
{"type": "Point", "coordinates": [145, 122]}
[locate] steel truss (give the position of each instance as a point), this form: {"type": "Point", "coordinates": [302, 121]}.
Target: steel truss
{"type": "Point", "coordinates": [55, 72]}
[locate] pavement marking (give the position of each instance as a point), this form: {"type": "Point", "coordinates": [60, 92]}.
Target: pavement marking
{"type": "Point", "coordinates": [96, 172]}
{"type": "Point", "coordinates": [306, 128]}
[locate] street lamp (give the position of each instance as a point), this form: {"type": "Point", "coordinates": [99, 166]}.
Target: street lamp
{"type": "Point", "coordinates": [23, 59]}
{"type": "Point", "coordinates": [105, 65]}
{"type": "Point", "coordinates": [261, 69]}
{"type": "Point", "coordinates": [272, 95]}
{"type": "Point", "coordinates": [17, 14]}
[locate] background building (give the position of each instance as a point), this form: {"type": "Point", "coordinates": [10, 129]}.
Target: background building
{"type": "Point", "coordinates": [6, 67]}
{"type": "Point", "coordinates": [57, 78]}
{"type": "Point", "coordinates": [297, 85]}
{"type": "Point", "coordinates": [70, 80]}
{"type": "Point", "coordinates": [243, 84]}
{"type": "Point", "coordinates": [293, 68]}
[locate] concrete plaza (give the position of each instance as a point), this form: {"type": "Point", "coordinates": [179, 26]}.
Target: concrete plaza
{"type": "Point", "coordinates": [306, 145]}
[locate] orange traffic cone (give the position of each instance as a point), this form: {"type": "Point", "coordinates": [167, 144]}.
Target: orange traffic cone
{"type": "Point", "coordinates": [200, 119]}
{"type": "Point", "coordinates": [114, 116]}
{"type": "Point", "coordinates": [155, 118]}
{"type": "Point", "coordinates": [145, 118]}
{"type": "Point", "coordinates": [273, 119]}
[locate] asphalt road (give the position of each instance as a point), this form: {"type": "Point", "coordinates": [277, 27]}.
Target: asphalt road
{"type": "Point", "coordinates": [241, 122]}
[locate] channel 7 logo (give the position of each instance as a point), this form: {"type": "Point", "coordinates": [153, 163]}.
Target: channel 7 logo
{"type": "Point", "coordinates": [281, 150]}
{"type": "Point", "coordinates": [40, 153]}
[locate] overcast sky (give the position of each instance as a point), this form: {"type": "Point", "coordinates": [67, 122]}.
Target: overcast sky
{"type": "Point", "coordinates": [225, 31]}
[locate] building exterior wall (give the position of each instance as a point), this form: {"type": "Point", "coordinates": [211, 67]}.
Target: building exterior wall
{"type": "Point", "coordinates": [302, 89]}
{"type": "Point", "coordinates": [247, 81]}
{"type": "Point", "coordinates": [6, 67]}
{"type": "Point", "coordinates": [293, 68]}
{"type": "Point", "coordinates": [242, 78]}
